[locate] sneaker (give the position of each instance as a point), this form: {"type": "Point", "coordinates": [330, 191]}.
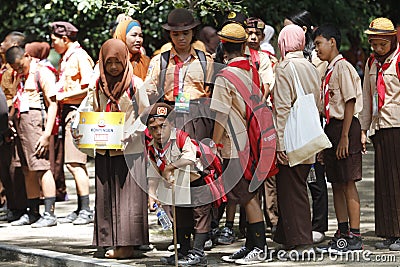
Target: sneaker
{"type": "Point", "coordinates": [171, 247]}
{"type": "Point", "coordinates": [208, 244]}
{"type": "Point", "coordinates": [226, 237]}
{"type": "Point", "coordinates": [214, 233]}
{"type": "Point", "coordinates": [385, 244]}
{"type": "Point", "coordinates": [350, 243]}
{"type": "Point", "coordinates": [253, 257]}
{"type": "Point", "coordinates": [241, 253]}
{"type": "Point", "coordinates": [25, 220]}
{"type": "Point", "coordinates": [148, 247]}
{"type": "Point", "coordinates": [331, 243]}
{"type": "Point", "coordinates": [84, 217]}
{"type": "Point", "coordinates": [14, 215]}
{"type": "Point", "coordinates": [196, 258]}
{"type": "Point", "coordinates": [317, 237]}
{"type": "Point", "coordinates": [395, 246]}
{"type": "Point", "coordinates": [69, 218]}
{"type": "Point", "coordinates": [46, 220]}
{"type": "Point", "coordinates": [171, 259]}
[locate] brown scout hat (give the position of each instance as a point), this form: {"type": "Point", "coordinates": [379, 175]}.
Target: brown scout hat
{"type": "Point", "coordinates": [257, 23]}
{"type": "Point", "coordinates": [233, 33]}
{"type": "Point", "coordinates": [381, 26]}
{"type": "Point", "coordinates": [180, 19]}
{"type": "Point", "coordinates": [63, 28]}
{"type": "Point", "coordinates": [158, 110]}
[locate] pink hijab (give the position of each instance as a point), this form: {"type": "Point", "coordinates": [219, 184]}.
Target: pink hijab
{"type": "Point", "coordinates": [291, 38]}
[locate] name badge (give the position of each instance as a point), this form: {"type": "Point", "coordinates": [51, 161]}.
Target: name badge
{"type": "Point", "coordinates": [375, 104]}
{"type": "Point", "coordinates": [182, 103]}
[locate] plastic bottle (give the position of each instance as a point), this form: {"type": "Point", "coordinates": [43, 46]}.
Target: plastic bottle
{"type": "Point", "coordinates": [312, 178]}
{"type": "Point", "coordinates": [162, 217]}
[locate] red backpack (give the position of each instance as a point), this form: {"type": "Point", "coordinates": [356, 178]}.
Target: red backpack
{"type": "Point", "coordinates": [258, 157]}
{"type": "Point", "coordinates": [212, 173]}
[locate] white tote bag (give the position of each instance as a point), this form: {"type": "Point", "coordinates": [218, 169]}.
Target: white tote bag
{"type": "Point", "coordinates": [303, 136]}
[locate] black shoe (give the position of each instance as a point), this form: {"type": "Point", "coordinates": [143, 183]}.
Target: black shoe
{"type": "Point", "coordinates": [331, 243]}
{"type": "Point", "coordinates": [241, 253]}
{"type": "Point", "coordinates": [350, 243]}
{"type": "Point", "coordinates": [226, 237]}
{"type": "Point", "coordinates": [171, 259]}
{"type": "Point", "coordinates": [385, 244]}
{"type": "Point", "coordinates": [196, 258]}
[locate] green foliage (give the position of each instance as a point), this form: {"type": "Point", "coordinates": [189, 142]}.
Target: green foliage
{"type": "Point", "coordinates": [93, 17]}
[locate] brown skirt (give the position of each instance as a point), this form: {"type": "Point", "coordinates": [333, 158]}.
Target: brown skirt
{"type": "Point", "coordinates": [387, 182]}
{"type": "Point", "coordinates": [350, 168]}
{"type": "Point", "coordinates": [121, 204]}
{"type": "Point", "coordinates": [236, 187]}
{"type": "Point", "coordinates": [294, 223]}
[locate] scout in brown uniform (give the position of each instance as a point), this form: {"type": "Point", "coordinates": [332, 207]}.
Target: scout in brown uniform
{"type": "Point", "coordinates": [342, 98]}
{"type": "Point", "coordinates": [10, 166]}
{"type": "Point", "coordinates": [229, 105]}
{"type": "Point", "coordinates": [185, 78]}
{"type": "Point", "coordinates": [166, 156]}
{"type": "Point", "coordinates": [294, 224]}
{"type": "Point", "coordinates": [34, 134]}
{"type": "Point", "coordinates": [74, 73]}
{"type": "Point", "coordinates": [380, 115]}
{"type": "Point", "coordinates": [121, 203]}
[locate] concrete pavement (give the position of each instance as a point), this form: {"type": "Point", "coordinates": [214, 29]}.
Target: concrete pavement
{"type": "Point", "coordinates": [69, 245]}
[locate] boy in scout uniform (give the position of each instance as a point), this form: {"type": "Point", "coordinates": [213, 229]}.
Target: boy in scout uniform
{"type": "Point", "coordinates": [74, 74]}
{"type": "Point", "coordinates": [34, 132]}
{"type": "Point", "coordinates": [165, 156]}
{"type": "Point", "coordinates": [229, 105]}
{"type": "Point", "coordinates": [342, 98]}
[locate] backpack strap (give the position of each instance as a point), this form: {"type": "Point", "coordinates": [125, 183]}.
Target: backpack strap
{"type": "Point", "coordinates": [203, 62]}
{"type": "Point", "coordinates": [164, 59]}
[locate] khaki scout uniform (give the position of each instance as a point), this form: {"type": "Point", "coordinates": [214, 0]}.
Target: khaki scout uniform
{"type": "Point", "coordinates": [29, 125]}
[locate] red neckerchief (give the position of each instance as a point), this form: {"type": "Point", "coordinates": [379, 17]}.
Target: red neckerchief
{"type": "Point", "coordinates": [241, 64]}
{"type": "Point", "coordinates": [178, 66]}
{"type": "Point", "coordinates": [20, 91]}
{"type": "Point", "coordinates": [158, 156]}
{"type": "Point", "coordinates": [380, 83]}
{"type": "Point", "coordinates": [245, 64]}
{"type": "Point", "coordinates": [325, 88]}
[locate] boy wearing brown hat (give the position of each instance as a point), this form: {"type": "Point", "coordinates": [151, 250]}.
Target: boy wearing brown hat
{"type": "Point", "coordinates": [166, 156]}
{"type": "Point", "coordinates": [229, 105]}
{"type": "Point", "coordinates": [381, 116]}
{"type": "Point", "coordinates": [74, 74]}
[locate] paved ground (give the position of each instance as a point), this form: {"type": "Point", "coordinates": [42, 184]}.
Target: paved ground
{"type": "Point", "coordinates": [68, 245]}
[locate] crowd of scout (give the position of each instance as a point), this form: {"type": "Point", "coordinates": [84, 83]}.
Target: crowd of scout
{"type": "Point", "coordinates": [177, 97]}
